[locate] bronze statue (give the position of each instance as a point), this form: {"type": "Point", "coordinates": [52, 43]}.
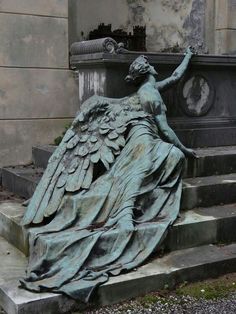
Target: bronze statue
{"type": "Point", "coordinates": [110, 191]}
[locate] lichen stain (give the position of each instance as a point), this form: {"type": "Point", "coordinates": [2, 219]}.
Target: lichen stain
{"type": "Point", "coordinates": [139, 149]}
{"type": "Point", "coordinates": [136, 12]}
{"type": "Point", "coordinates": [164, 36]}
{"type": "Point", "coordinates": [27, 39]}
{"type": "Point", "coordinates": [194, 24]}
{"type": "Point", "coordinates": [2, 94]}
{"type": "Point", "coordinates": [175, 5]}
{"type": "Point", "coordinates": [159, 35]}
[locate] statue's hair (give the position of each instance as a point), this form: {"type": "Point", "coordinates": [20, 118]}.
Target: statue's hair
{"type": "Point", "coordinates": [138, 68]}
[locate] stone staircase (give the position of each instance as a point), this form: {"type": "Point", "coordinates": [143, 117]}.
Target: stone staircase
{"type": "Point", "coordinates": [200, 245]}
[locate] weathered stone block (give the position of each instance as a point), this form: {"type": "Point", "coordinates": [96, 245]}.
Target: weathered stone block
{"type": "Point", "coordinates": [192, 264]}
{"type": "Point", "coordinates": [13, 262]}
{"type": "Point", "coordinates": [221, 13]}
{"type": "Point", "coordinates": [225, 41]}
{"type": "Point", "coordinates": [225, 14]}
{"type": "Point", "coordinates": [203, 122]}
{"type": "Point", "coordinates": [18, 137]}
{"type": "Point", "coordinates": [33, 41]}
{"type": "Point", "coordinates": [42, 7]}
{"type": "Point", "coordinates": [37, 93]}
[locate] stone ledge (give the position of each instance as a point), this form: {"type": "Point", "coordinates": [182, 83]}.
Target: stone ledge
{"type": "Point", "coordinates": [156, 58]}
{"type": "Point", "coordinates": [210, 161]}
{"type": "Point", "coordinates": [193, 228]}
{"type": "Point", "coordinates": [203, 191]}
{"type": "Point", "coordinates": [185, 265]}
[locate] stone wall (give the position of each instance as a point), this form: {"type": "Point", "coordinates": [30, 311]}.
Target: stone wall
{"type": "Point", "coordinates": [208, 25]}
{"type": "Point", "coordinates": [225, 26]}
{"type": "Point", "coordinates": [37, 91]}
{"type": "Point", "coordinates": [168, 22]}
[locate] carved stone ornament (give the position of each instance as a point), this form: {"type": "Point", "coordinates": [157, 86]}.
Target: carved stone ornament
{"type": "Point", "coordinates": [107, 45]}
{"type": "Point", "coordinates": [196, 96]}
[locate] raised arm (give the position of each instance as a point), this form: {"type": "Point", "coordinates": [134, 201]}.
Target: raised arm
{"type": "Point", "coordinates": [178, 73]}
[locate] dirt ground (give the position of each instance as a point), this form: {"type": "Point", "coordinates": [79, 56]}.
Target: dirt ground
{"type": "Point", "coordinates": [8, 196]}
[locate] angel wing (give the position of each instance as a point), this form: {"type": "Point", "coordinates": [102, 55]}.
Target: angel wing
{"type": "Point", "coordinates": [96, 134]}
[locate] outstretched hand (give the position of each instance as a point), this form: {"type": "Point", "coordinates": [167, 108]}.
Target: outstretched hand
{"type": "Point", "coordinates": [190, 153]}
{"type": "Point", "coordinates": [190, 51]}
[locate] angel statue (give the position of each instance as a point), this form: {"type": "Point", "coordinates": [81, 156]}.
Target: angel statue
{"type": "Point", "coordinates": [110, 191]}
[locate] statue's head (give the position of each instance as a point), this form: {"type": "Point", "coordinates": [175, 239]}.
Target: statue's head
{"type": "Point", "coordinates": [139, 69]}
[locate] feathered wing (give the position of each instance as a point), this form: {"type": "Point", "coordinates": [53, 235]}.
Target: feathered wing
{"type": "Point", "coordinates": [96, 134]}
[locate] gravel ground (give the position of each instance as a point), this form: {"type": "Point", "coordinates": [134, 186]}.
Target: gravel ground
{"type": "Point", "coordinates": [173, 305]}
{"type": "Point", "coordinates": [169, 304]}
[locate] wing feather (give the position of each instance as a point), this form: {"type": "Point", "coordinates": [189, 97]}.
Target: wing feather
{"type": "Point", "coordinates": [88, 178]}
{"type": "Point", "coordinates": [111, 144]}
{"type": "Point", "coordinates": [96, 134]}
{"type": "Point", "coordinates": [73, 142]}
{"type": "Point", "coordinates": [42, 187]}
{"type": "Point", "coordinates": [73, 182]}
{"type": "Point", "coordinates": [54, 202]}
{"type": "Point", "coordinates": [95, 157]}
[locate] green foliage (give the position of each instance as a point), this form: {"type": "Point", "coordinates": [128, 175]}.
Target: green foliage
{"type": "Point", "coordinates": [208, 289]}
{"type": "Point", "coordinates": [58, 139]}
{"type": "Point", "coordinates": [149, 299]}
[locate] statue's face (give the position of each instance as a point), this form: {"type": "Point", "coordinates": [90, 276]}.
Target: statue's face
{"type": "Point", "coordinates": [141, 66]}
{"type": "Point", "coordinates": [139, 69]}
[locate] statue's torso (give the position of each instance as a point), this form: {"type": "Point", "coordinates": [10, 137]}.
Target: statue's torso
{"type": "Point", "coordinates": [150, 99]}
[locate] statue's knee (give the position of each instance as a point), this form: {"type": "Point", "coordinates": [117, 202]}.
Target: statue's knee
{"type": "Point", "coordinates": [177, 154]}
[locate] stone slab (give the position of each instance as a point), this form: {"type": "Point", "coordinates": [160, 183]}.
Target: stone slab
{"type": "Point", "coordinates": [176, 267]}
{"type": "Point", "coordinates": [57, 8]}
{"type": "Point", "coordinates": [38, 41]}
{"type": "Point", "coordinates": [193, 228]}
{"type": "Point", "coordinates": [225, 41]}
{"type": "Point", "coordinates": [184, 265]}
{"type": "Point", "coordinates": [50, 93]}
{"type": "Point", "coordinates": [209, 191]}
{"type": "Point", "coordinates": [18, 137]}
{"type": "Point", "coordinates": [210, 161]}
{"type": "Point", "coordinates": [197, 192]}
{"type": "Point", "coordinates": [13, 262]}
{"type": "Point", "coordinates": [22, 180]}
{"type": "Point", "coordinates": [41, 155]}
{"type": "Point", "coordinates": [10, 228]}
{"type": "Point", "coordinates": [208, 137]}
{"type": "Point", "coordinates": [226, 14]}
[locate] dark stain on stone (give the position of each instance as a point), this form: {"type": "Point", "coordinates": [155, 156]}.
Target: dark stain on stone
{"type": "Point", "coordinates": [194, 24]}
{"type": "Point", "coordinates": [2, 93]}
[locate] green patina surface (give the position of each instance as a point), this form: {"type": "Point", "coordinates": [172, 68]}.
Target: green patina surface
{"type": "Point", "coordinates": [110, 191]}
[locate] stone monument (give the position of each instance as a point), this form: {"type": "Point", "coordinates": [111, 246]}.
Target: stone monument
{"type": "Point", "coordinates": [117, 169]}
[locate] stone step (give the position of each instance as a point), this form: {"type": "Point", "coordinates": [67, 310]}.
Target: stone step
{"type": "Point", "coordinates": [211, 161]}
{"type": "Point", "coordinates": [21, 180]}
{"type": "Point", "coordinates": [208, 191]}
{"type": "Point", "coordinates": [197, 192]}
{"type": "Point", "coordinates": [41, 154]}
{"type": "Point", "coordinates": [193, 228]}
{"type": "Point", "coordinates": [189, 265]}
{"type": "Point", "coordinates": [13, 262]}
